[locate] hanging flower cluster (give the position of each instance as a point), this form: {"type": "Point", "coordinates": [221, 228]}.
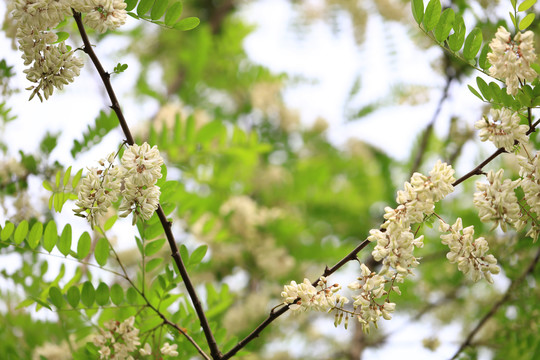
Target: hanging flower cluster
{"type": "Point", "coordinates": [134, 180]}
{"type": "Point", "coordinates": [468, 253]}
{"type": "Point", "coordinates": [511, 59]}
{"type": "Point", "coordinates": [120, 341]}
{"type": "Point", "coordinates": [52, 63]}
{"type": "Point", "coordinates": [504, 130]}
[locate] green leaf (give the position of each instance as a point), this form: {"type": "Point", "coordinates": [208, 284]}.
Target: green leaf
{"type": "Point", "coordinates": [110, 222]}
{"type": "Point", "coordinates": [209, 131]}
{"type": "Point", "coordinates": [184, 253]}
{"type": "Point", "coordinates": [197, 255]}
{"type": "Point", "coordinates": [132, 296]}
{"type": "Point", "coordinates": [159, 8]}
{"type": "Point", "coordinates": [35, 235]}
{"type": "Point", "coordinates": [418, 10]}
{"type": "Point", "coordinates": [495, 91]}
{"type": "Point", "coordinates": [7, 231]}
{"type": "Point", "coordinates": [483, 61]}
{"type": "Point", "coordinates": [130, 4]}
{"type": "Point", "coordinates": [20, 232]}
{"type": "Point", "coordinates": [174, 12]}
{"type": "Point", "coordinates": [153, 247]}
{"type": "Point", "coordinates": [527, 21]}
{"type": "Point", "coordinates": [83, 246]}
{"type": "Point", "coordinates": [144, 6]}
{"type": "Point", "coordinates": [117, 294]}
{"type": "Point", "coordinates": [88, 294]}
{"type": "Point", "coordinates": [432, 15]}
{"type": "Point", "coordinates": [25, 303]}
{"type": "Point", "coordinates": [50, 237]}
{"type": "Point", "coordinates": [101, 252]}
{"type": "Point", "coordinates": [67, 176]}
{"type": "Point", "coordinates": [47, 185]}
{"type": "Point", "coordinates": [56, 297]}
{"type": "Point", "coordinates": [455, 41]}
{"type": "Point", "coordinates": [154, 263]}
{"type": "Point", "coordinates": [514, 21]}
{"type": "Point", "coordinates": [64, 245]}
{"type": "Point", "coordinates": [73, 296]}
{"type": "Point", "coordinates": [442, 30]}
{"type": "Point", "coordinates": [484, 88]}
{"type": "Point", "coordinates": [188, 23]}
{"type": "Point", "coordinates": [76, 179]}
{"type": "Point", "coordinates": [472, 44]}
{"type": "Point", "coordinates": [473, 90]}
{"type": "Point", "coordinates": [58, 178]}
{"type": "Point", "coordinates": [102, 294]}
{"type": "Point", "coordinates": [526, 5]}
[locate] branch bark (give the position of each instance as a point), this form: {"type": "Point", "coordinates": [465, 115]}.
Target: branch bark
{"type": "Point", "coordinates": [105, 77]}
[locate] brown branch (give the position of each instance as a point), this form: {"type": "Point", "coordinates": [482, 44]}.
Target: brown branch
{"type": "Point", "coordinates": [105, 77]}
{"type": "Point", "coordinates": [275, 314]}
{"type": "Point", "coordinates": [498, 304]}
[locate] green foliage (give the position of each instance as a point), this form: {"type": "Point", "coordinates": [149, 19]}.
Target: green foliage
{"type": "Point", "coordinates": [103, 124]}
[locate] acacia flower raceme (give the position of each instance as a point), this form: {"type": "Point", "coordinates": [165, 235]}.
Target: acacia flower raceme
{"type": "Point", "coordinates": [496, 201]}
{"type": "Point", "coordinates": [134, 180]}
{"type": "Point", "coordinates": [468, 253]}
{"type": "Point", "coordinates": [98, 190]}
{"type": "Point", "coordinates": [503, 130]}
{"type": "Point", "coordinates": [119, 339]}
{"type": "Point", "coordinates": [511, 59]}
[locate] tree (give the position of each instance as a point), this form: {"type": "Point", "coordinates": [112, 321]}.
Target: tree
{"type": "Point", "coordinates": [244, 198]}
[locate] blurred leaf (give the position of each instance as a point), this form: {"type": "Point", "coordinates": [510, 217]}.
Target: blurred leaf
{"type": "Point", "coordinates": [186, 24]}
{"type": "Point", "coordinates": [64, 245]}
{"type": "Point", "coordinates": [173, 13]}
{"type": "Point", "coordinates": [73, 296]}
{"type": "Point", "coordinates": [101, 252]}
{"type": "Point", "coordinates": [20, 232]}
{"type": "Point", "coordinates": [432, 15]}
{"type": "Point", "coordinates": [88, 294]}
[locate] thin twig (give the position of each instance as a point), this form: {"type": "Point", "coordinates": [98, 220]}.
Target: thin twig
{"type": "Point", "coordinates": [275, 314]}
{"type": "Point", "coordinates": [156, 310]}
{"type": "Point", "coordinates": [498, 304]}
{"type": "Point", "coordinates": [105, 77]}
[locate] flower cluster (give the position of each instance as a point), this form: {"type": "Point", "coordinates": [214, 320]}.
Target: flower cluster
{"type": "Point", "coordinates": [135, 180]}
{"type": "Point", "coordinates": [504, 130]}
{"type": "Point", "coordinates": [52, 63]}
{"type": "Point", "coordinates": [305, 296]}
{"type": "Point", "coordinates": [496, 201]}
{"type": "Point", "coordinates": [468, 253]}
{"type": "Point", "coordinates": [395, 241]}
{"type": "Point", "coordinates": [530, 184]}
{"type": "Point", "coordinates": [103, 15]}
{"type": "Point", "coordinates": [141, 171]}
{"type": "Point", "coordinates": [371, 287]}
{"type": "Point", "coordinates": [118, 340]}
{"type": "Point", "coordinates": [511, 59]}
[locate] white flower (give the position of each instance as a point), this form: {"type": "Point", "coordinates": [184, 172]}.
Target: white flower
{"type": "Point", "coordinates": [146, 350]}
{"type": "Point", "coordinates": [97, 191]}
{"type": "Point", "coordinates": [497, 201]}
{"type": "Point", "coordinates": [309, 297]}
{"type": "Point", "coordinates": [142, 164]}
{"type": "Point", "coordinates": [103, 15]}
{"type": "Point", "coordinates": [511, 59]}
{"type": "Point", "coordinates": [503, 130]}
{"type": "Point", "coordinates": [169, 349]}
{"type": "Point", "coordinates": [140, 200]}
{"type": "Point", "coordinates": [468, 253]}
{"type": "Point", "coordinates": [39, 14]}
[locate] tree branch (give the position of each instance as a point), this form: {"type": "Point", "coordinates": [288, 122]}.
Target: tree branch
{"type": "Point", "coordinates": [498, 304]}
{"type": "Point", "coordinates": [105, 77]}
{"type": "Point", "coordinates": [275, 314]}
